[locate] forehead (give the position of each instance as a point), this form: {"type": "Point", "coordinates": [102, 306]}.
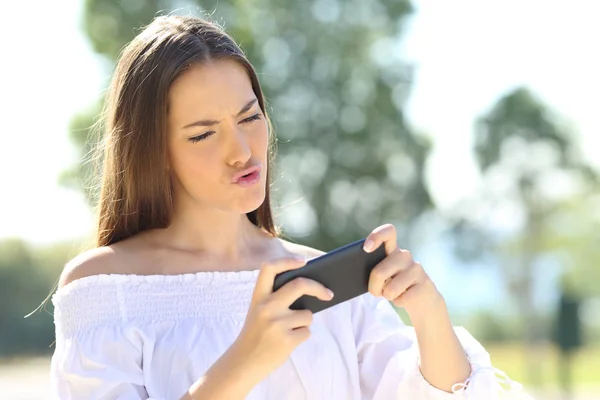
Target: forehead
{"type": "Point", "coordinates": [210, 88]}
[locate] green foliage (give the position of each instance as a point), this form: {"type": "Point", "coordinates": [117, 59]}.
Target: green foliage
{"type": "Point", "coordinates": [518, 115]}
{"type": "Point", "coordinates": [523, 140]}
{"type": "Point", "coordinates": [84, 132]}
{"type": "Point", "coordinates": [530, 164]}
{"type": "Point", "coordinates": [25, 280]}
{"type": "Point", "coordinates": [570, 235]}
{"type": "Point", "coordinates": [489, 327]}
{"type": "Point", "coordinates": [521, 146]}
{"type": "Point", "coordinates": [110, 23]}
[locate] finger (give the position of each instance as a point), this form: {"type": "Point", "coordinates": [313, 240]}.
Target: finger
{"type": "Point", "coordinates": [268, 272]}
{"type": "Point", "coordinates": [384, 234]}
{"type": "Point", "coordinates": [293, 290]}
{"type": "Point", "coordinates": [387, 269]}
{"type": "Point", "coordinates": [402, 282]}
{"type": "Point", "coordinates": [411, 294]}
{"type": "Point", "coordinates": [300, 335]}
{"type": "Point", "coordinates": [297, 319]}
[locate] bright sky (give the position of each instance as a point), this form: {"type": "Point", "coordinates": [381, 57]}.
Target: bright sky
{"type": "Point", "coordinates": [470, 52]}
{"type": "Point", "coordinates": [48, 72]}
{"type": "Point", "coordinates": [467, 53]}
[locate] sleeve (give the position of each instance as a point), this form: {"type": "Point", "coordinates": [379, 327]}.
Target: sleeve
{"type": "Point", "coordinates": [388, 358]}
{"type": "Point", "coordinates": [100, 363]}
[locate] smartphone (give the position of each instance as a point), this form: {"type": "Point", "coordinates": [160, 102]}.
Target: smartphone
{"type": "Point", "coordinates": [345, 271]}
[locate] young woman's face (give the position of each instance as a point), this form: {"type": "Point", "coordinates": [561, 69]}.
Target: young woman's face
{"type": "Point", "coordinates": [215, 130]}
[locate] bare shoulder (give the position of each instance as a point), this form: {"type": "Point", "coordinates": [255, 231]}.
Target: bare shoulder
{"type": "Point", "coordinates": [97, 261]}
{"type": "Point", "coordinates": [301, 250]}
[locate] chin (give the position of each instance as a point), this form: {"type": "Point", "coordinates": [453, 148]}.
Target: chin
{"type": "Point", "coordinates": [251, 202]}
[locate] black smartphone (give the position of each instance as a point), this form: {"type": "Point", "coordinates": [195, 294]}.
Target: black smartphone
{"type": "Point", "coordinates": [345, 271]}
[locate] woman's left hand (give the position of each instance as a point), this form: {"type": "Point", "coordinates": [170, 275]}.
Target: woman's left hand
{"type": "Point", "coordinates": [399, 278]}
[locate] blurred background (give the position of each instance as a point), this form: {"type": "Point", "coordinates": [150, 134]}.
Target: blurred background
{"type": "Point", "coordinates": [470, 125]}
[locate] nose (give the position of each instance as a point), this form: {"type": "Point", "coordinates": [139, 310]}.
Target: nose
{"type": "Point", "coordinates": [239, 151]}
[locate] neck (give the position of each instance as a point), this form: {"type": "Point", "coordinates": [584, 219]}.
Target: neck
{"type": "Point", "coordinates": [225, 235]}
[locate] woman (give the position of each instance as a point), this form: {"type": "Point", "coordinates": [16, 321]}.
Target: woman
{"type": "Point", "coordinates": [176, 300]}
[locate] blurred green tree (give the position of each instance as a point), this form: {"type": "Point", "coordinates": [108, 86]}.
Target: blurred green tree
{"type": "Point", "coordinates": [333, 76]}
{"type": "Point", "coordinates": [572, 234]}
{"type": "Point", "coordinates": [24, 274]}
{"type": "Point", "coordinates": [531, 169]}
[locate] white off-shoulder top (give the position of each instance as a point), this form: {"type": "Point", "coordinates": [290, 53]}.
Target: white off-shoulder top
{"type": "Point", "coordinates": [152, 336]}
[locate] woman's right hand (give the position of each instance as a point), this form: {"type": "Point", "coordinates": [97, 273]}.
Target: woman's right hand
{"type": "Point", "coordinates": [270, 333]}
{"type": "Point", "coordinates": [272, 330]}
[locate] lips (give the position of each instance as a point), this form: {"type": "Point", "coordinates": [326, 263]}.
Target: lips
{"type": "Point", "coordinates": [241, 174]}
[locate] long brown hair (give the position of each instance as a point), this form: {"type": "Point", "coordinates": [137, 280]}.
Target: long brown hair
{"type": "Point", "coordinates": [136, 189]}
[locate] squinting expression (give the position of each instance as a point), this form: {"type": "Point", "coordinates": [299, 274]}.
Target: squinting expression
{"type": "Point", "coordinates": [216, 129]}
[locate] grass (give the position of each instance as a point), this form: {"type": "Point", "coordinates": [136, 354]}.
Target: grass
{"type": "Point", "coordinates": [512, 359]}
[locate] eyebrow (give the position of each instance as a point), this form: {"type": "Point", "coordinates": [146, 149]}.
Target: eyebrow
{"type": "Point", "coordinates": [210, 122]}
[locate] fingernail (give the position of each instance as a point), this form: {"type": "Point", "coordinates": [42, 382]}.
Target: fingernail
{"type": "Point", "coordinates": [300, 259]}
{"type": "Point", "coordinates": [330, 294]}
{"type": "Point", "coordinates": [368, 246]}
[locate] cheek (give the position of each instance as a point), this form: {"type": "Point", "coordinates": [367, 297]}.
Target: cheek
{"type": "Point", "coordinates": [260, 140]}
{"type": "Point", "coordinates": [195, 165]}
